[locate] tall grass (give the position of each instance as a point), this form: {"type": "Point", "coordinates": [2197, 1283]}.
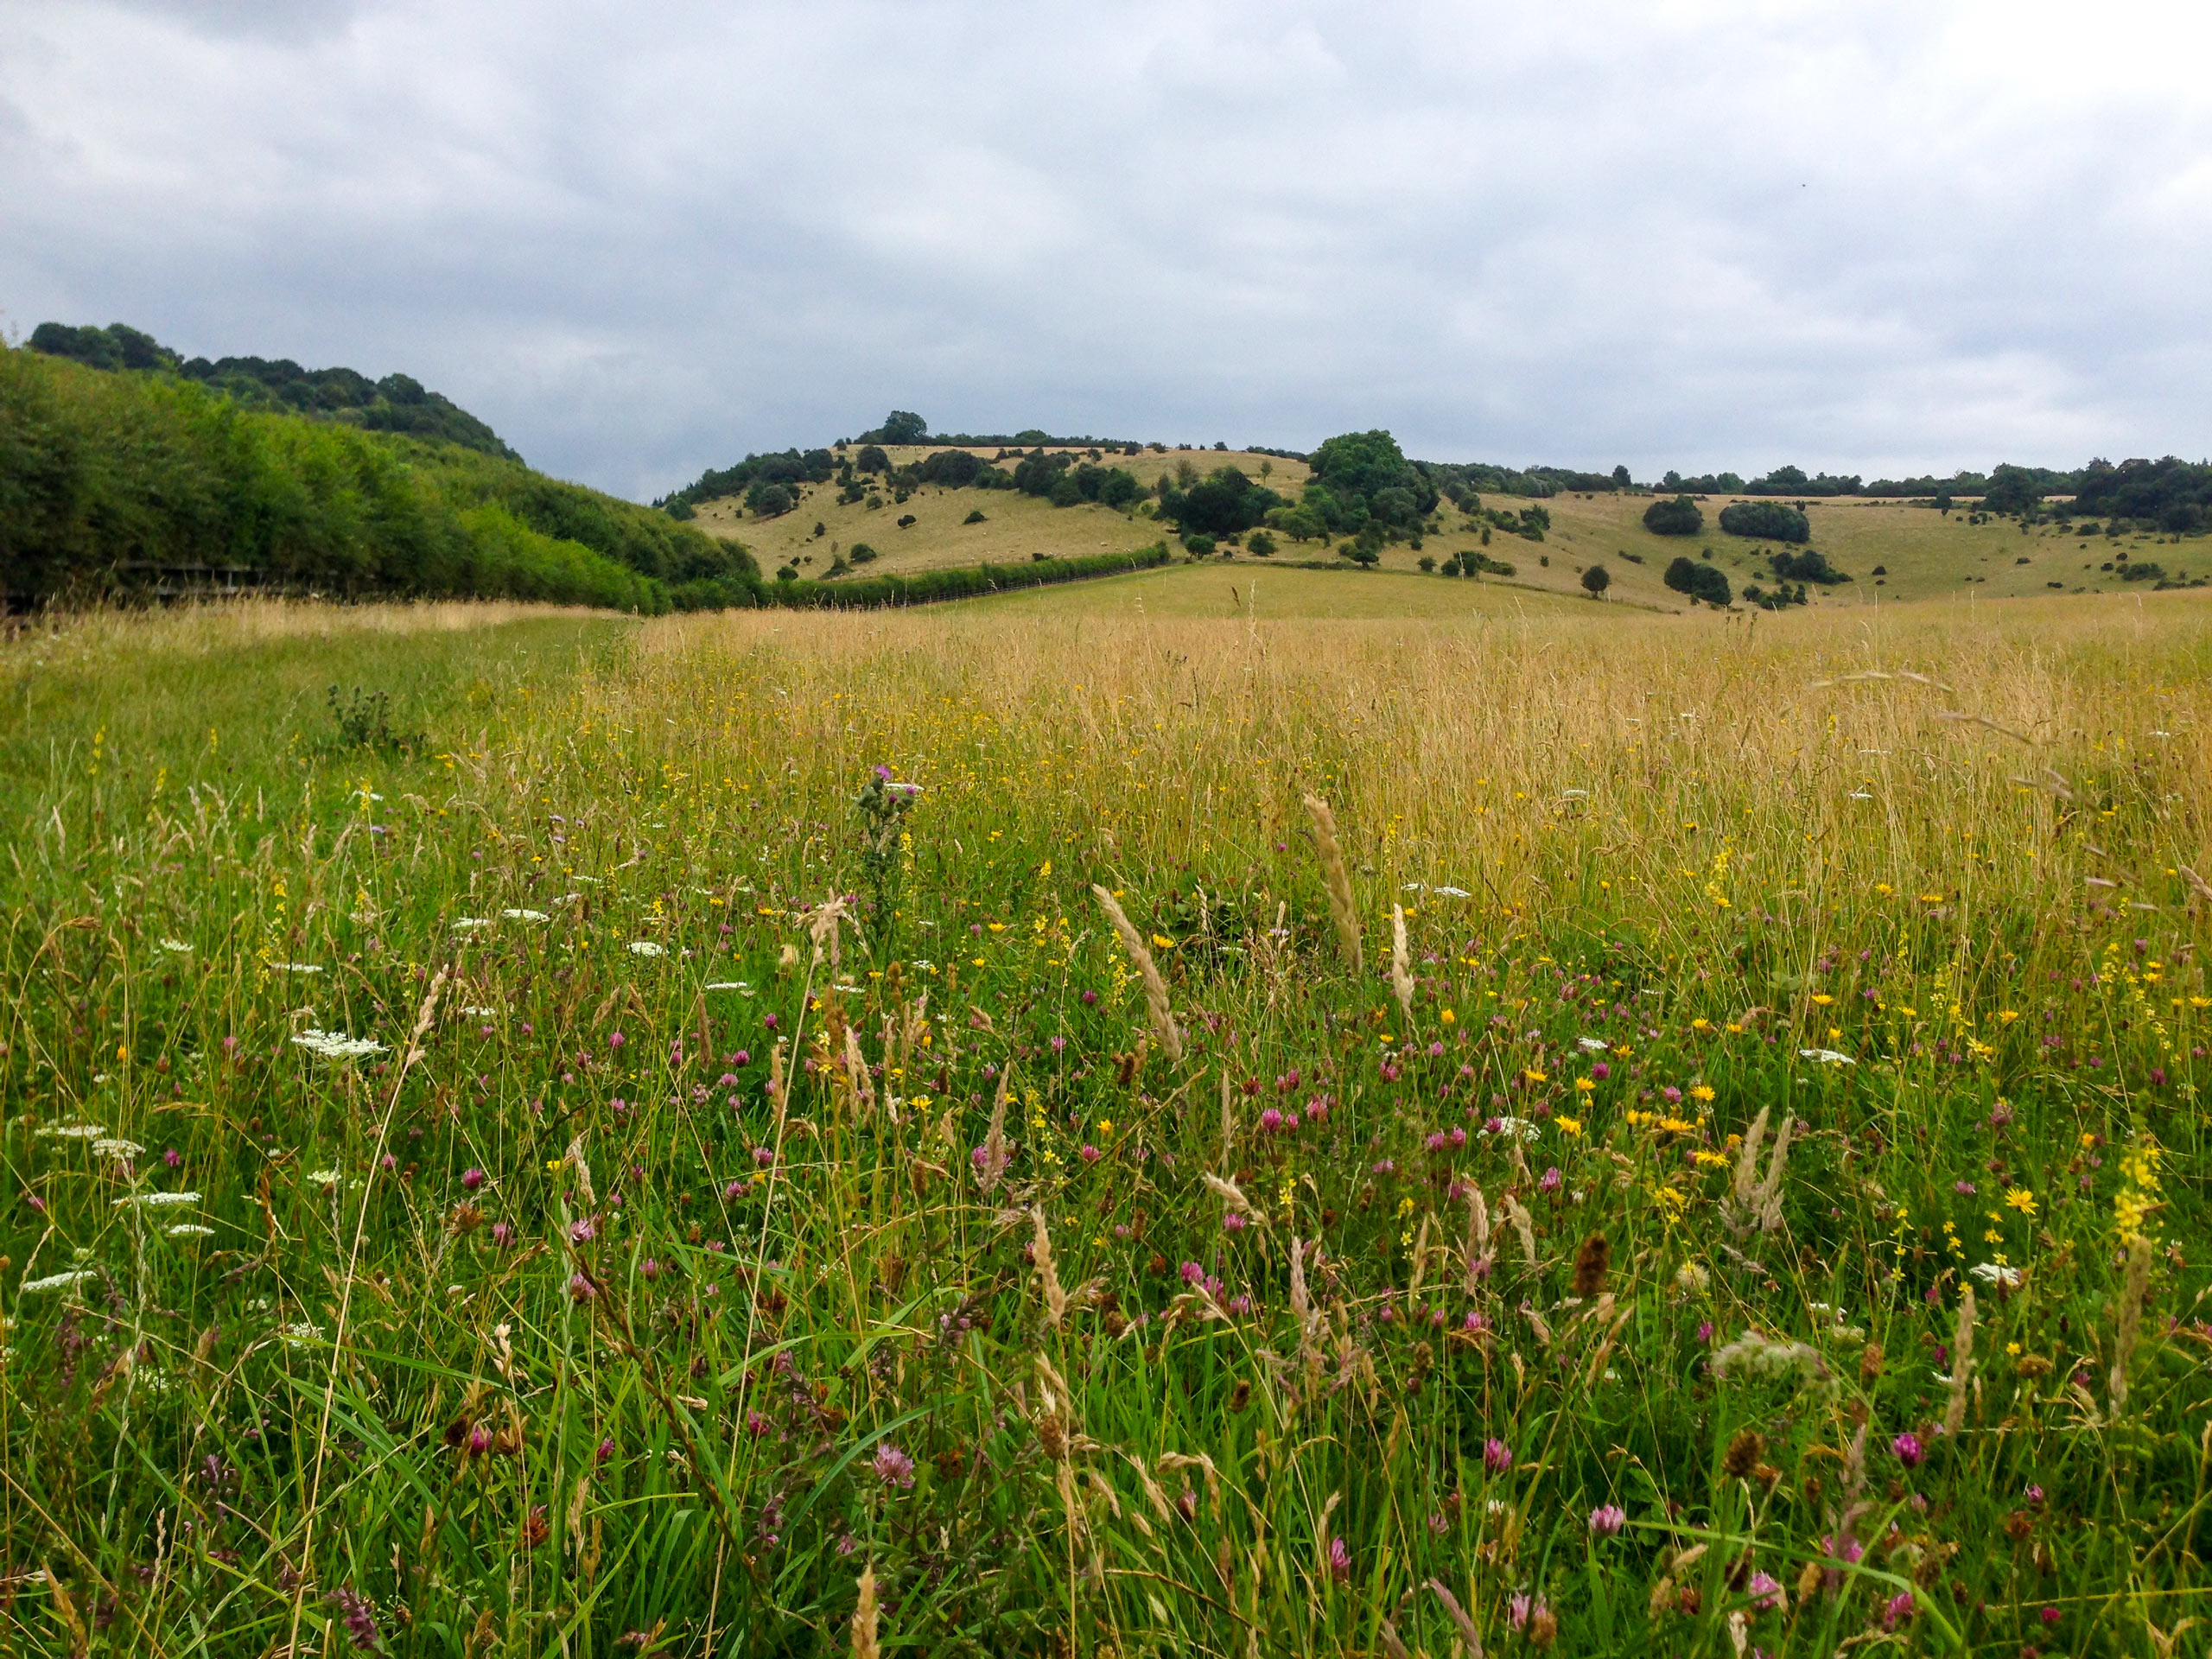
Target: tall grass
{"type": "Point", "coordinates": [708, 1284]}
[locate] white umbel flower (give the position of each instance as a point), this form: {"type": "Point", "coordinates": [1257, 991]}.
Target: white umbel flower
{"type": "Point", "coordinates": [59, 1281]}
{"type": "Point", "coordinates": [647, 948]}
{"type": "Point", "coordinates": [336, 1044]}
{"type": "Point", "coordinates": [158, 1200]}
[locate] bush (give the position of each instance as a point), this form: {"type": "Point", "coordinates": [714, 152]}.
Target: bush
{"type": "Point", "coordinates": [975, 517]}
{"type": "Point", "coordinates": [769, 500]}
{"type": "Point", "coordinates": [1680, 517]}
{"type": "Point", "coordinates": [1199, 543]}
{"type": "Point", "coordinates": [1262, 545]}
{"type": "Point", "coordinates": [1769, 520]}
{"type": "Point", "coordinates": [1700, 581]}
{"type": "Point", "coordinates": [1809, 566]}
{"type": "Point", "coordinates": [1596, 580]}
{"type": "Point", "coordinates": [907, 520]}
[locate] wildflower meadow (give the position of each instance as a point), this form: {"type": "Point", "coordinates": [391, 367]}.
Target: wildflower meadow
{"type": "Point", "coordinates": [979, 1132]}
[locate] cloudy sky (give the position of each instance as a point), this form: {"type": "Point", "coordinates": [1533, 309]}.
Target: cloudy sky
{"type": "Point", "coordinates": [644, 240]}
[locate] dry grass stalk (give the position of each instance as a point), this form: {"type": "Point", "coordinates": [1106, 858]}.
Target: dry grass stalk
{"type": "Point", "coordinates": [857, 1074]}
{"type": "Point", "coordinates": [1469, 1635]}
{"type": "Point", "coordinates": [1955, 1415]}
{"type": "Point", "coordinates": [1048, 1278]}
{"type": "Point", "coordinates": [1768, 1201]}
{"type": "Point", "coordinates": [1475, 1264]}
{"type": "Point", "coordinates": [1518, 1213]}
{"type": "Point", "coordinates": [864, 1617]}
{"type": "Point", "coordinates": [1155, 987]}
{"type": "Point", "coordinates": [2133, 1286]}
{"type": "Point", "coordinates": [1338, 879]}
{"type": "Point", "coordinates": [1401, 979]}
{"type": "Point", "coordinates": [994, 1139]}
{"type": "Point", "coordinates": [1307, 1315]}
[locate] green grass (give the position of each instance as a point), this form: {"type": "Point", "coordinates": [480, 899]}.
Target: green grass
{"type": "Point", "coordinates": [658, 1293]}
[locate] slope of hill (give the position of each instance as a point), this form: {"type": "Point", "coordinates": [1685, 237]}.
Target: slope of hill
{"type": "Point", "coordinates": [397, 402]}
{"type": "Point", "coordinates": [145, 482]}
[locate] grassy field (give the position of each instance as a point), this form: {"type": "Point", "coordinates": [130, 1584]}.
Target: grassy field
{"type": "Point", "coordinates": [1698, 1150]}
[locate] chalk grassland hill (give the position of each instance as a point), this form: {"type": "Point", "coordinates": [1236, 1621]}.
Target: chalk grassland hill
{"type": "Point", "coordinates": [1926, 554]}
{"type": "Point", "coordinates": [1015, 527]}
{"type": "Point", "coordinates": [1268, 591]}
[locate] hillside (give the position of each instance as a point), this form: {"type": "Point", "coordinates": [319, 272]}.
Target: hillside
{"type": "Point", "coordinates": [146, 483]}
{"type": "Point", "coordinates": [397, 402]}
{"type": "Point", "coordinates": [1015, 527]}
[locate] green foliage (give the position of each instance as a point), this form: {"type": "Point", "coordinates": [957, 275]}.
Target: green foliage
{"type": "Point", "coordinates": [964, 581]}
{"type": "Point", "coordinates": [2174, 495]}
{"type": "Point", "coordinates": [397, 402]}
{"type": "Point", "coordinates": [1699, 580]}
{"type": "Point", "coordinates": [975, 517]}
{"type": "Point", "coordinates": [1677, 516]}
{"type": "Point", "coordinates": [1767, 520]}
{"type": "Point", "coordinates": [1596, 579]}
{"type": "Point", "coordinates": [1198, 542]}
{"type": "Point", "coordinates": [1260, 544]}
{"type": "Point", "coordinates": [111, 483]}
{"type": "Point", "coordinates": [901, 425]}
{"type": "Point", "coordinates": [1807, 566]}
{"type": "Point", "coordinates": [363, 721]}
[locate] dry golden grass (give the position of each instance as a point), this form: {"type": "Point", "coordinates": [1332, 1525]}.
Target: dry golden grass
{"type": "Point", "coordinates": [1630, 768]}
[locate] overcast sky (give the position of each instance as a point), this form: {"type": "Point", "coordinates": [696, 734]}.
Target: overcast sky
{"type": "Point", "coordinates": [641, 239]}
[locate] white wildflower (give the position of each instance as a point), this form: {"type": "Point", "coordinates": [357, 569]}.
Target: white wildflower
{"type": "Point", "coordinates": [470, 923]}
{"type": "Point", "coordinates": [1591, 1044]}
{"type": "Point", "coordinates": [321, 1176]}
{"type": "Point", "coordinates": [294, 968]}
{"type": "Point", "coordinates": [71, 1132]}
{"type": "Point", "coordinates": [1511, 1126]}
{"type": "Point", "coordinates": [301, 1335]}
{"type": "Point", "coordinates": [115, 1146]}
{"type": "Point", "coordinates": [647, 948]}
{"type": "Point", "coordinates": [1452, 892]}
{"type": "Point", "coordinates": [1990, 1274]}
{"type": "Point", "coordinates": [1825, 1057]}
{"type": "Point", "coordinates": [482, 1013]}
{"type": "Point", "coordinates": [158, 1200]}
{"type": "Point", "coordinates": [336, 1044]}
{"type": "Point", "coordinates": [1763, 1356]}
{"type": "Point", "coordinates": [737, 985]}
{"type": "Point", "coordinates": [57, 1280]}
{"type": "Point", "coordinates": [524, 915]}
{"type": "Point", "coordinates": [190, 1229]}
{"type": "Point", "coordinates": [177, 946]}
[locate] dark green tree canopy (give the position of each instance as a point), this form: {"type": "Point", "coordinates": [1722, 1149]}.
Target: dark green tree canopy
{"type": "Point", "coordinates": [1769, 521]}
{"type": "Point", "coordinates": [1678, 516]}
{"type": "Point", "coordinates": [899, 426]}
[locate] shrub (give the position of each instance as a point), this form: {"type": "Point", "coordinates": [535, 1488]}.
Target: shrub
{"type": "Point", "coordinates": [905, 520]}
{"type": "Point", "coordinates": [1261, 543]}
{"type": "Point", "coordinates": [1809, 566]}
{"type": "Point", "coordinates": [1680, 517]}
{"type": "Point", "coordinates": [1199, 543]}
{"type": "Point", "coordinates": [1596, 580]}
{"type": "Point", "coordinates": [1769, 520]}
{"type": "Point", "coordinates": [769, 500]}
{"type": "Point", "coordinates": [975, 517]}
{"type": "Point", "coordinates": [1427, 563]}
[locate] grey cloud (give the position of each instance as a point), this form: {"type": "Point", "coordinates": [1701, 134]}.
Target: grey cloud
{"type": "Point", "coordinates": [640, 242]}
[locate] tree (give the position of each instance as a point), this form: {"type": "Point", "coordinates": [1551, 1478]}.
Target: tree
{"type": "Point", "coordinates": [1596, 580]}
{"type": "Point", "coordinates": [872, 459]}
{"type": "Point", "coordinates": [1621, 480]}
{"type": "Point", "coordinates": [1768, 520]}
{"type": "Point", "coordinates": [767, 499]}
{"type": "Point", "coordinates": [1262, 545]}
{"type": "Point", "coordinates": [901, 426]}
{"type": "Point", "coordinates": [1678, 516]}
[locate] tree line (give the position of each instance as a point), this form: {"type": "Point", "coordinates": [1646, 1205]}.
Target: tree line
{"type": "Point", "coordinates": [397, 402]}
